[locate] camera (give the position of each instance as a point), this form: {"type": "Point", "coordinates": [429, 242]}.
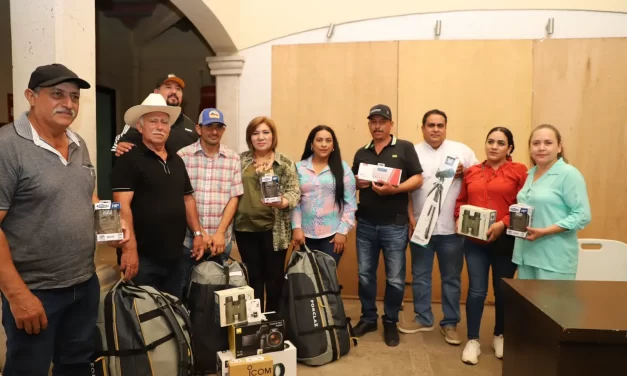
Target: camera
{"type": "Point", "coordinates": [271, 338]}
{"type": "Point", "coordinates": [255, 339]}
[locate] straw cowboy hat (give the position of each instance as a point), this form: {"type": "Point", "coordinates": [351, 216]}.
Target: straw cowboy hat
{"type": "Point", "coordinates": [153, 103]}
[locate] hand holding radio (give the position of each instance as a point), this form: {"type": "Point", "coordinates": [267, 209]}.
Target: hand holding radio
{"type": "Point", "coordinates": [535, 233]}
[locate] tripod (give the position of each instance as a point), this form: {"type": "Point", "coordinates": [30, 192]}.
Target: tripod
{"type": "Point", "coordinates": [438, 187]}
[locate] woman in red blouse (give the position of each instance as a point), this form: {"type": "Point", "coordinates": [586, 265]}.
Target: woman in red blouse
{"type": "Point", "coordinates": [492, 184]}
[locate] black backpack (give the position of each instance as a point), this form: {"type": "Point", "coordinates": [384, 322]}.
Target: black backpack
{"type": "Point", "coordinates": [313, 310]}
{"type": "Point", "coordinates": [208, 337]}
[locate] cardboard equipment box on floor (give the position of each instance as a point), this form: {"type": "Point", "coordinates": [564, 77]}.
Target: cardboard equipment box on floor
{"type": "Point", "coordinates": [438, 186]}
{"type": "Point", "coordinates": [283, 362]}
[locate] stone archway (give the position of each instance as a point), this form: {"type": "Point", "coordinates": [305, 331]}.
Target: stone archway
{"type": "Point", "coordinates": [218, 27]}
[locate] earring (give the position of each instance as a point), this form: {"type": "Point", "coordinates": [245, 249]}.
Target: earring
{"type": "Point", "coordinates": [311, 147]}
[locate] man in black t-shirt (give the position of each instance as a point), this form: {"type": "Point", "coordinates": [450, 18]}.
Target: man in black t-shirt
{"type": "Point", "coordinates": [183, 130]}
{"type": "Point", "coordinates": [382, 222]}
{"type": "Point", "coordinates": [155, 193]}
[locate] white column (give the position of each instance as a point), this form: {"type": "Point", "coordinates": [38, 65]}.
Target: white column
{"type": "Point", "coordinates": [227, 70]}
{"type": "Point", "coordinates": [58, 31]}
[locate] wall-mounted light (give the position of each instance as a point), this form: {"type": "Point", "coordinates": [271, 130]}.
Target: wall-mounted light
{"type": "Point", "coordinates": [550, 26]}
{"type": "Point", "coordinates": [438, 28]}
{"type": "Point", "coordinates": [330, 30]}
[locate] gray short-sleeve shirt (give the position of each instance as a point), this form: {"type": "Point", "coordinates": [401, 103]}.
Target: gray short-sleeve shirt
{"type": "Point", "coordinates": [50, 219]}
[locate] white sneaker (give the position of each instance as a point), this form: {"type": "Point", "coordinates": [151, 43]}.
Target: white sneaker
{"type": "Point", "coordinates": [497, 345]}
{"type": "Point", "coordinates": [471, 352]}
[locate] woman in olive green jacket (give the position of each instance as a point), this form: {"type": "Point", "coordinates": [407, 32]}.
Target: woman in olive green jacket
{"type": "Point", "coordinates": [263, 231]}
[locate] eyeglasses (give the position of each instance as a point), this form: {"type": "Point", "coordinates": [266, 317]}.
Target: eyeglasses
{"type": "Point", "coordinates": [380, 123]}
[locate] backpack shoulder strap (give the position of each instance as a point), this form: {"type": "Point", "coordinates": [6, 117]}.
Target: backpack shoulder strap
{"type": "Point", "coordinates": [164, 304]}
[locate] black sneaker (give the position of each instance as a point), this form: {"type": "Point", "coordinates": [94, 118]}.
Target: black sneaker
{"type": "Point", "coordinates": [390, 334]}
{"type": "Point", "coordinates": [364, 327]}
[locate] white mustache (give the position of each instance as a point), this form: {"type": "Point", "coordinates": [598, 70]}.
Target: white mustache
{"type": "Point", "coordinates": [157, 133]}
{"type": "Point", "coordinates": [64, 111]}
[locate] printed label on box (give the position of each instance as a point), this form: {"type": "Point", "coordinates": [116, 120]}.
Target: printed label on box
{"type": "Point", "coordinates": [270, 189]}
{"type": "Point", "coordinates": [475, 221]}
{"type": "Point", "coordinates": [108, 221]}
{"type": "Point", "coordinates": [438, 186]}
{"type": "Point", "coordinates": [375, 173]}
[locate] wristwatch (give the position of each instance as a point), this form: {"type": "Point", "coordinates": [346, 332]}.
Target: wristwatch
{"type": "Point", "coordinates": [197, 233]}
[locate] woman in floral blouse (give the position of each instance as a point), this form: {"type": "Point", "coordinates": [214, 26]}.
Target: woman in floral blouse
{"type": "Point", "coordinates": [326, 211]}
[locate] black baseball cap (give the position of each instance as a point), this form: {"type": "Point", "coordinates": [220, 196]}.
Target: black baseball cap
{"type": "Point", "coordinates": [381, 110]}
{"type": "Point", "coordinates": [171, 77]}
{"type": "Point", "coordinates": [54, 74]}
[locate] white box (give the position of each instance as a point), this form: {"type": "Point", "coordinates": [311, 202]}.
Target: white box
{"type": "Point", "coordinates": [475, 221]}
{"type": "Point", "coordinates": [270, 189]}
{"type": "Point", "coordinates": [108, 222]}
{"type": "Point", "coordinates": [287, 358]}
{"type": "Point", "coordinates": [374, 173]}
{"type": "Point", "coordinates": [231, 305]}
{"type": "Point", "coordinates": [438, 185]}
{"type": "Point", "coordinates": [520, 217]}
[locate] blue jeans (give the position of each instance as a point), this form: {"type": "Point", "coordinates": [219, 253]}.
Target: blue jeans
{"type": "Point", "coordinates": [450, 251]}
{"type": "Point", "coordinates": [371, 239]}
{"type": "Point", "coordinates": [69, 340]}
{"type": "Point", "coordinates": [479, 258]}
{"type": "Point", "coordinates": [189, 264]}
{"type": "Point", "coordinates": [323, 245]}
{"type": "Point", "coordinates": [164, 275]}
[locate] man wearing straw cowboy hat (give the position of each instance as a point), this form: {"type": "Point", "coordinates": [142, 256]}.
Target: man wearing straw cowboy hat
{"type": "Point", "coordinates": [155, 193]}
{"type": "Point", "coordinates": [183, 130]}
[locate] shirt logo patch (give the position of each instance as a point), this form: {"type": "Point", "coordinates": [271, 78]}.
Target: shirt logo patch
{"type": "Point", "coordinates": [394, 156]}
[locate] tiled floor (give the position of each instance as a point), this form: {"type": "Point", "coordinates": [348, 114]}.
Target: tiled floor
{"type": "Point", "coordinates": [422, 354]}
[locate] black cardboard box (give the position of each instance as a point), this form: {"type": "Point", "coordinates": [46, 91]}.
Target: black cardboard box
{"type": "Point", "coordinates": [259, 338]}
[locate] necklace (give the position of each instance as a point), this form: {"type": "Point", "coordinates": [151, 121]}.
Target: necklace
{"type": "Point", "coordinates": [264, 164]}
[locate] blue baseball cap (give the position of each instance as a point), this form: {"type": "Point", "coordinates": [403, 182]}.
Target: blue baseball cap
{"type": "Point", "coordinates": [210, 116]}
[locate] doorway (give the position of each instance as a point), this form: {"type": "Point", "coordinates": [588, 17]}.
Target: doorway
{"type": "Point", "coordinates": [105, 134]}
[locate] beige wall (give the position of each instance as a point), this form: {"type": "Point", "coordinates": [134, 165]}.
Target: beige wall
{"type": "Point", "coordinates": [261, 21]}
{"type": "Point", "coordinates": [6, 78]}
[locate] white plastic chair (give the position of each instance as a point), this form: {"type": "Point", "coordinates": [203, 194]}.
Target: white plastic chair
{"type": "Point", "coordinates": [602, 260]}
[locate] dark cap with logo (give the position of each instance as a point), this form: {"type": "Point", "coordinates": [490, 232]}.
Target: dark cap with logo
{"type": "Point", "coordinates": [171, 77]}
{"type": "Point", "coordinates": [381, 110]}
{"type": "Point", "coordinates": [54, 74]}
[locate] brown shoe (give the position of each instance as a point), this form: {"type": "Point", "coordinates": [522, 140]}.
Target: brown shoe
{"type": "Point", "coordinates": [450, 335]}
{"type": "Point", "coordinates": [412, 327]}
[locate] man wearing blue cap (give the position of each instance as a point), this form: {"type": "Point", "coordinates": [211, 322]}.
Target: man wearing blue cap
{"type": "Point", "coordinates": [215, 173]}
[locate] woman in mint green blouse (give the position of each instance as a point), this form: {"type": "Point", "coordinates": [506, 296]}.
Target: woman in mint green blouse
{"type": "Point", "coordinates": [557, 191]}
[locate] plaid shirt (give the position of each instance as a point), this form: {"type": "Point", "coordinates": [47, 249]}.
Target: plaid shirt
{"type": "Point", "coordinates": [285, 169]}
{"type": "Point", "coordinates": [215, 180]}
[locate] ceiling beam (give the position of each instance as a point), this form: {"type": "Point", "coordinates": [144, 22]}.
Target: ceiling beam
{"type": "Point", "coordinates": [162, 19]}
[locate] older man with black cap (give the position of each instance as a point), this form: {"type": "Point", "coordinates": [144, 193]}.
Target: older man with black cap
{"type": "Point", "coordinates": [155, 193]}
{"type": "Point", "coordinates": [50, 292]}
{"type": "Point", "coordinates": [183, 131]}
{"type": "Point", "coordinates": [382, 222]}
